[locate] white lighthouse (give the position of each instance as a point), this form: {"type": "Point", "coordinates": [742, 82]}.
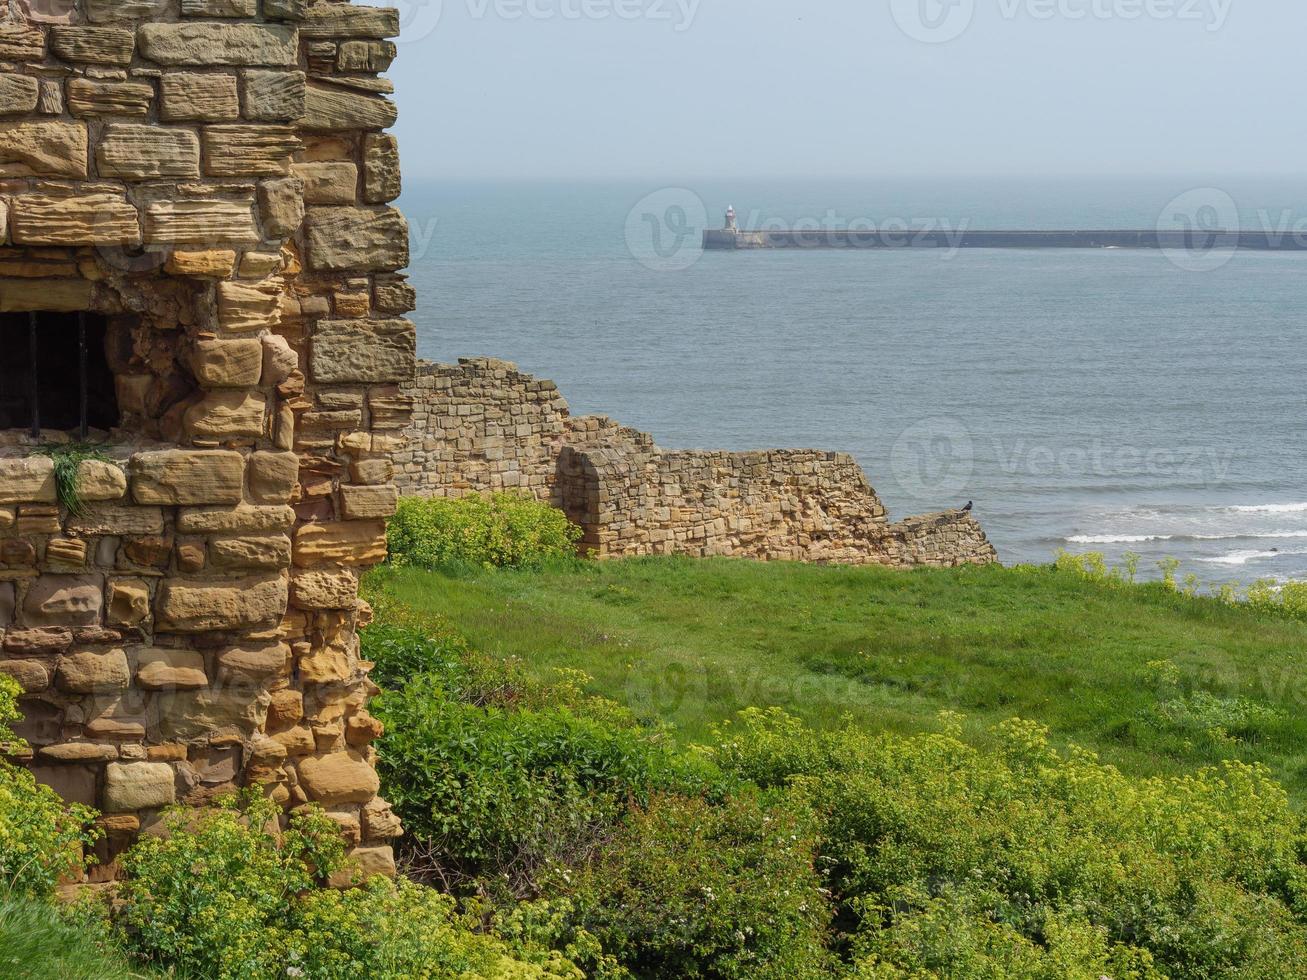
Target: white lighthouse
{"type": "Point", "coordinates": [730, 219]}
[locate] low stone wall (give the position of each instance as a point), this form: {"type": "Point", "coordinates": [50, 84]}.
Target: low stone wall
{"type": "Point", "coordinates": [483, 426]}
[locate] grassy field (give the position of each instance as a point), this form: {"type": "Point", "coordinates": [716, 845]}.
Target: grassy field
{"type": "Point", "coordinates": [1153, 681]}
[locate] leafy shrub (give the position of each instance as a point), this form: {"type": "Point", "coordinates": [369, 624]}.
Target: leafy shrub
{"type": "Point", "coordinates": [504, 530]}
{"type": "Point", "coordinates": [688, 889]}
{"type": "Point", "coordinates": [225, 896]}
{"type": "Point", "coordinates": [1026, 850]}
{"type": "Point", "coordinates": [493, 794]}
{"type": "Point", "coordinates": [41, 837]}
{"type": "Point", "coordinates": [36, 943]}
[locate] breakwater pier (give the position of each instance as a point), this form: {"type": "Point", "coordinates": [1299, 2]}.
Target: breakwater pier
{"type": "Point", "coordinates": [733, 239]}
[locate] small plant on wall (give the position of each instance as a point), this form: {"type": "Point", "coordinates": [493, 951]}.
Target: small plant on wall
{"type": "Point", "coordinates": [68, 458]}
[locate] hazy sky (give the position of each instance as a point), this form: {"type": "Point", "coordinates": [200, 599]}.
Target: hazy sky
{"type": "Point", "coordinates": [663, 88]}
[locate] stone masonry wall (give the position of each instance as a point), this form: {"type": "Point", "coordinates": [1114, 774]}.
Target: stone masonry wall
{"type": "Point", "coordinates": [483, 426]}
{"type": "Point", "coordinates": [213, 177]}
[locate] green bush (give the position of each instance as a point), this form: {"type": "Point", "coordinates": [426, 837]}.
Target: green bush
{"type": "Point", "coordinates": [224, 895]}
{"type": "Point", "coordinates": [689, 889]}
{"type": "Point", "coordinates": [36, 943]}
{"type": "Point", "coordinates": [502, 531]}
{"type": "Point", "coordinates": [493, 794]}
{"type": "Point", "coordinates": [41, 837]}
{"type": "Point", "coordinates": [944, 855]}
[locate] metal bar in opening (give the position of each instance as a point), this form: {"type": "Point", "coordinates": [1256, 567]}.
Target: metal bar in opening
{"type": "Point", "coordinates": [81, 373]}
{"type": "Point", "coordinates": [31, 376]}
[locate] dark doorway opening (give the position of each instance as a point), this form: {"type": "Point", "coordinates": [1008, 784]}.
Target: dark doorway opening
{"type": "Point", "coordinates": [54, 373]}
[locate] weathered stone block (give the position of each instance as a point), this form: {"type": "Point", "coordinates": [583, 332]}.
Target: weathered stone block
{"type": "Point", "coordinates": [109, 11]}
{"type": "Point", "coordinates": [269, 552]}
{"type": "Point", "coordinates": [79, 752]}
{"type": "Point", "coordinates": [190, 606]}
{"type": "Point", "coordinates": [246, 306]}
{"type": "Point", "coordinates": [18, 94]}
{"type": "Point", "coordinates": [100, 480]}
{"type": "Point", "coordinates": [364, 863]}
{"type": "Point", "coordinates": [274, 96]}
{"type": "Point", "coordinates": [363, 351]}
{"type": "Point", "coordinates": [21, 42]}
{"type": "Point", "coordinates": [282, 204]}
{"type": "Point", "coordinates": [91, 97]}
{"type": "Point", "coordinates": [93, 45]}
{"type": "Point", "coordinates": [160, 669]}
{"type": "Point", "coordinates": [146, 152]}
{"type": "Point", "coordinates": [361, 239]}
{"type": "Point", "coordinates": [323, 589]}
{"type": "Point", "coordinates": [129, 602]}
{"type": "Point", "coordinates": [48, 295]}
{"type": "Point", "coordinates": [340, 543]}
{"type": "Point", "coordinates": [132, 786]}
{"type": "Point", "coordinates": [341, 777]}
{"type": "Point", "coordinates": [190, 96]}
{"type": "Point", "coordinates": [64, 600]}
{"type": "Point", "coordinates": [226, 414]}
{"type": "Point", "coordinates": [382, 182]}
{"type": "Point", "coordinates": [273, 477]}
{"type": "Point", "coordinates": [63, 554]}
{"type": "Point", "coordinates": [188, 714]}
{"type": "Point", "coordinates": [74, 784]}
{"type": "Point", "coordinates": [219, 44]}
{"type": "Point", "coordinates": [249, 151]}
{"type": "Point", "coordinates": [280, 360]}
{"type": "Point", "coordinates": [228, 363]}
{"type": "Point", "coordinates": [43, 149]}
{"type": "Point", "coordinates": [31, 675]}
{"type": "Point", "coordinates": [363, 503]}
{"type": "Point", "coordinates": [220, 8]}
{"type": "Point", "coordinates": [202, 264]}
{"type": "Point", "coordinates": [184, 477]}
{"type": "Point", "coordinates": [255, 662]}
{"type": "Point", "coordinates": [331, 109]}
{"type": "Point", "coordinates": [111, 518]}
{"type": "Point", "coordinates": [344, 21]}
{"type": "Point", "coordinates": [94, 672]}
{"type": "Point", "coordinates": [81, 219]}
{"type": "Point", "coordinates": [211, 223]}
{"type": "Point", "coordinates": [243, 519]}
{"type": "Point", "coordinates": [331, 182]}
{"type": "Point", "coordinates": [30, 479]}
{"type": "Point", "coordinates": [366, 56]}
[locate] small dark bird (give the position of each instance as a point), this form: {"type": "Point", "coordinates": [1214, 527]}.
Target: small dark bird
{"type": "Point", "coordinates": [967, 509]}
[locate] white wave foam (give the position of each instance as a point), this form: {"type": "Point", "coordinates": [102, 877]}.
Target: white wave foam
{"type": "Point", "coordinates": [1142, 538]}
{"type": "Point", "coordinates": [1240, 557]}
{"type": "Point", "coordinates": [1117, 538]}
{"type": "Point", "coordinates": [1269, 508]}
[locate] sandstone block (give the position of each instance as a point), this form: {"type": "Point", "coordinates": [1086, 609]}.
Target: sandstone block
{"type": "Point", "coordinates": [382, 182]}
{"type": "Point", "coordinates": [31, 675]}
{"type": "Point", "coordinates": [341, 777]}
{"type": "Point", "coordinates": [342, 21]}
{"type": "Point", "coordinates": [204, 264]}
{"type": "Point", "coordinates": [328, 108]}
{"type": "Point", "coordinates": [193, 97]}
{"type": "Point", "coordinates": [188, 714]}
{"type": "Point", "coordinates": [79, 752]}
{"type": "Point", "coordinates": [363, 351]}
{"type": "Point", "coordinates": [364, 503]}
{"type": "Point", "coordinates": [219, 44]}
{"type": "Point", "coordinates": [109, 11]}
{"type": "Point", "coordinates": [322, 589]}
{"type": "Point", "coordinates": [364, 863]}
{"type": "Point", "coordinates": [226, 414]}
{"type": "Point", "coordinates": [227, 363]}
{"type": "Point", "coordinates": [48, 295]}
{"type": "Point", "coordinates": [94, 672]}
{"type": "Point", "coordinates": [212, 223]}
{"type": "Point", "coordinates": [146, 152]}
{"type": "Point", "coordinates": [175, 476]}
{"type": "Point", "coordinates": [91, 97]}
{"type": "Point", "coordinates": [330, 182]}
{"type": "Point", "coordinates": [340, 543]}
{"type": "Point", "coordinates": [18, 94]}
{"type": "Point", "coordinates": [74, 784]}
{"type": "Point", "coordinates": [379, 821]}
{"type": "Point", "coordinates": [64, 600]}
{"type": "Point", "coordinates": [280, 360]}
{"type": "Point", "coordinates": [220, 8]}
{"type": "Point", "coordinates": [249, 151]}
{"type": "Point", "coordinates": [255, 662]}
{"type": "Point", "coordinates": [196, 606]}
{"type": "Point", "coordinates": [274, 96]}
{"type": "Point", "coordinates": [111, 518]}
{"type": "Point", "coordinates": [66, 554]}
{"type": "Point", "coordinates": [30, 479]}
{"type": "Point", "coordinates": [21, 42]}
{"type": "Point", "coordinates": [93, 45]}
{"type": "Point", "coordinates": [372, 471]}
{"type": "Point", "coordinates": [366, 56]}
{"type": "Point", "coordinates": [43, 149]}
{"type": "Point", "coordinates": [80, 219]}
{"type": "Point", "coordinates": [160, 669]}
{"type": "Point", "coordinates": [244, 307]}
{"type": "Point", "coordinates": [285, 9]}
{"type": "Point", "coordinates": [100, 480]}
{"type": "Point", "coordinates": [129, 602]}
{"type": "Point", "coordinates": [132, 786]}
{"type": "Point", "coordinates": [267, 552]}
{"type": "Point", "coordinates": [273, 476]}
{"type": "Point", "coordinates": [242, 519]}
{"type": "Point", "coordinates": [341, 239]}
{"type": "Point", "coordinates": [281, 203]}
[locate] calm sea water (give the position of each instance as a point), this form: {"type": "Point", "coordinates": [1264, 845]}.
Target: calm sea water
{"type": "Point", "coordinates": [1090, 400]}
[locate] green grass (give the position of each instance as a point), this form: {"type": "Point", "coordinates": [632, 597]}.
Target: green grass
{"type": "Point", "coordinates": [36, 945]}
{"type": "Point", "coordinates": [692, 642]}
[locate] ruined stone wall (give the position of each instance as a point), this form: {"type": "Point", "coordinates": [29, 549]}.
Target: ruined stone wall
{"type": "Point", "coordinates": [483, 426]}
{"type": "Point", "coordinates": [213, 177]}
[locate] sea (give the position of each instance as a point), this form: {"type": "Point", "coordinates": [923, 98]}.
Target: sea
{"type": "Point", "coordinates": [1112, 401]}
